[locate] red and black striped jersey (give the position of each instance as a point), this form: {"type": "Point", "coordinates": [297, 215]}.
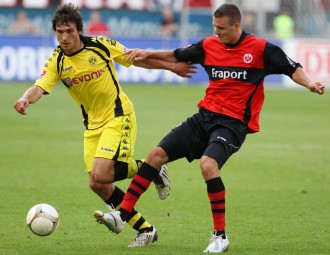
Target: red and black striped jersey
{"type": "Point", "coordinates": [236, 74]}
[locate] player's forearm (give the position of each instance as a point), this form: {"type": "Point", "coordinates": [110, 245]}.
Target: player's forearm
{"type": "Point", "coordinates": [30, 96]}
{"type": "Point", "coordinates": [154, 63]}
{"type": "Point", "coordinates": [135, 56]}
{"type": "Point", "coordinates": [182, 69]}
{"type": "Point", "coordinates": [300, 77]}
{"type": "Point", "coordinates": [33, 94]}
{"type": "Point", "coordinates": [167, 55]}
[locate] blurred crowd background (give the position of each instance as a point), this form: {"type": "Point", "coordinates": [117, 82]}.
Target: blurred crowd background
{"type": "Point", "coordinates": [170, 18]}
{"type": "Point", "coordinates": [300, 27]}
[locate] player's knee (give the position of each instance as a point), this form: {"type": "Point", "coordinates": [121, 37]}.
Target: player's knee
{"type": "Point", "coordinates": [157, 157]}
{"type": "Point", "coordinates": [101, 177]}
{"type": "Point", "coordinates": [103, 171]}
{"type": "Point", "coordinates": [93, 185]}
{"type": "Point", "coordinates": [209, 168]}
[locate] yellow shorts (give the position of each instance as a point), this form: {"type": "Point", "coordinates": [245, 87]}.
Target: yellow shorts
{"type": "Point", "coordinates": [115, 140]}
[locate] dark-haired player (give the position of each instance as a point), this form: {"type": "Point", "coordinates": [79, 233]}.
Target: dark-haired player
{"type": "Point", "coordinates": [85, 65]}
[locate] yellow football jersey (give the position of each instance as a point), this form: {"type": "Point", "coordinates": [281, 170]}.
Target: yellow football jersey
{"type": "Point", "coordinates": [90, 78]}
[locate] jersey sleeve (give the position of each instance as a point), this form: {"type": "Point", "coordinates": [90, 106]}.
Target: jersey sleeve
{"type": "Point", "coordinates": [49, 75]}
{"type": "Point", "coordinates": [116, 52]}
{"type": "Point", "coordinates": [193, 53]}
{"type": "Point", "coordinates": [277, 62]}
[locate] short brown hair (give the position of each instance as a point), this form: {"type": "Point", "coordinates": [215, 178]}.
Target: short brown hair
{"type": "Point", "coordinates": [68, 13]}
{"type": "Point", "coordinates": [228, 10]}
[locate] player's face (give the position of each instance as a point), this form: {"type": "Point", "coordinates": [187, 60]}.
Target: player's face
{"type": "Point", "coordinates": [68, 37]}
{"type": "Point", "coordinates": [226, 32]}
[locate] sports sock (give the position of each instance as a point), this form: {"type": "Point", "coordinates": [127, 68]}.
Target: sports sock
{"type": "Point", "coordinates": [126, 170]}
{"type": "Point", "coordinates": [216, 193]}
{"type": "Point", "coordinates": [121, 171]}
{"type": "Point", "coordinates": [138, 186]}
{"type": "Point", "coordinates": [133, 167]}
{"type": "Point", "coordinates": [134, 219]}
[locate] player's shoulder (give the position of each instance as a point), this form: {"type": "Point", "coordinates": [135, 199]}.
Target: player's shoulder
{"type": "Point", "coordinates": [251, 37]}
{"type": "Point", "coordinates": [104, 44]}
{"type": "Point", "coordinates": [208, 41]}
{"type": "Point", "coordinates": [54, 56]}
{"type": "Point", "coordinates": [211, 39]}
{"type": "Point", "coordinates": [254, 41]}
{"type": "Point", "coordinates": [56, 52]}
{"type": "Point", "coordinates": [98, 41]}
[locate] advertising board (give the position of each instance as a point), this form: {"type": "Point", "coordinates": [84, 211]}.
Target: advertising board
{"type": "Point", "coordinates": [22, 58]}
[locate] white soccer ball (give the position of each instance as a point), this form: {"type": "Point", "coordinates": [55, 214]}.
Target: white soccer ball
{"type": "Point", "coordinates": [42, 219]}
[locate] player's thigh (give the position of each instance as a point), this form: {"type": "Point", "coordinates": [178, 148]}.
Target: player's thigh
{"type": "Point", "coordinates": [115, 142]}
{"type": "Point", "coordinates": [91, 140]}
{"type": "Point", "coordinates": [223, 142]}
{"type": "Point", "coordinates": [118, 139]}
{"type": "Point", "coordinates": [183, 142]}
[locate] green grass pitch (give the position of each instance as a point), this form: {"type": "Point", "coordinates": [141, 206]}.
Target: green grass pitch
{"type": "Point", "coordinates": [278, 185]}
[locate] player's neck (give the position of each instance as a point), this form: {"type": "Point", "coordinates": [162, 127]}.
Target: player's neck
{"type": "Point", "coordinates": [75, 49]}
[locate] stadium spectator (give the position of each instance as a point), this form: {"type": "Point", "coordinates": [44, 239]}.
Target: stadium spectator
{"type": "Point", "coordinates": [249, 23]}
{"type": "Point", "coordinates": [199, 3]}
{"type": "Point", "coordinates": [176, 5]}
{"type": "Point", "coordinates": [326, 7]}
{"type": "Point", "coordinates": [169, 25]}
{"type": "Point", "coordinates": [236, 64]}
{"type": "Point", "coordinates": [283, 25]}
{"type": "Point", "coordinates": [85, 66]}
{"type": "Point", "coordinates": [23, 25]}
{"type": "Point", "coordinates": [96, 26]}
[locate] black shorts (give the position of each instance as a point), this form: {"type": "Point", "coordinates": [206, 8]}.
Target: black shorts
{"type": "Point", "coordinates": [205, 133]}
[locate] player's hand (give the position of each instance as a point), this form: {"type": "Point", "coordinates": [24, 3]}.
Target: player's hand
{"type": "Point", "coordinates": [184, 69]}
{"type": "Point", "coordinates": [135, 55]}
{"type": "Point", "coordinates": [21, 105]}
{"type": "Point", "coordinates": [317, 87]}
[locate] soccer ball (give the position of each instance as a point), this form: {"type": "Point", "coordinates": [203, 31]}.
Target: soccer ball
{"type": "Point", "coordinates": [42, 219]}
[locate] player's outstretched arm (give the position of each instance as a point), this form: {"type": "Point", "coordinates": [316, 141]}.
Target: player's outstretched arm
{"type": "Point", "coordinates": [160, 59]}
{"type": "Point", "coordinates": [30, 96]}
{"type": "Point", "coordinates": [139, 54]}
{"type": "Point", "coordinates": [301, 78]}
{"type": "Point", "coordinates": [182, 69]}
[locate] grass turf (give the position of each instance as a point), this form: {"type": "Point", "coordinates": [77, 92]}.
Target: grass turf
{"type": "Point", "coordinates": [277, 185]}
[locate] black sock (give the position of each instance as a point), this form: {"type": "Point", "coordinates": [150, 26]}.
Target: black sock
{"type": "Point", "coordinates": [220, 233]}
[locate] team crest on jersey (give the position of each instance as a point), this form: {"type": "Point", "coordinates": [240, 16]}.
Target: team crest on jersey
{"type": "Point", "coordinates": [248, 58]}
{"type": "Point", "coordinates": [92, 60]}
